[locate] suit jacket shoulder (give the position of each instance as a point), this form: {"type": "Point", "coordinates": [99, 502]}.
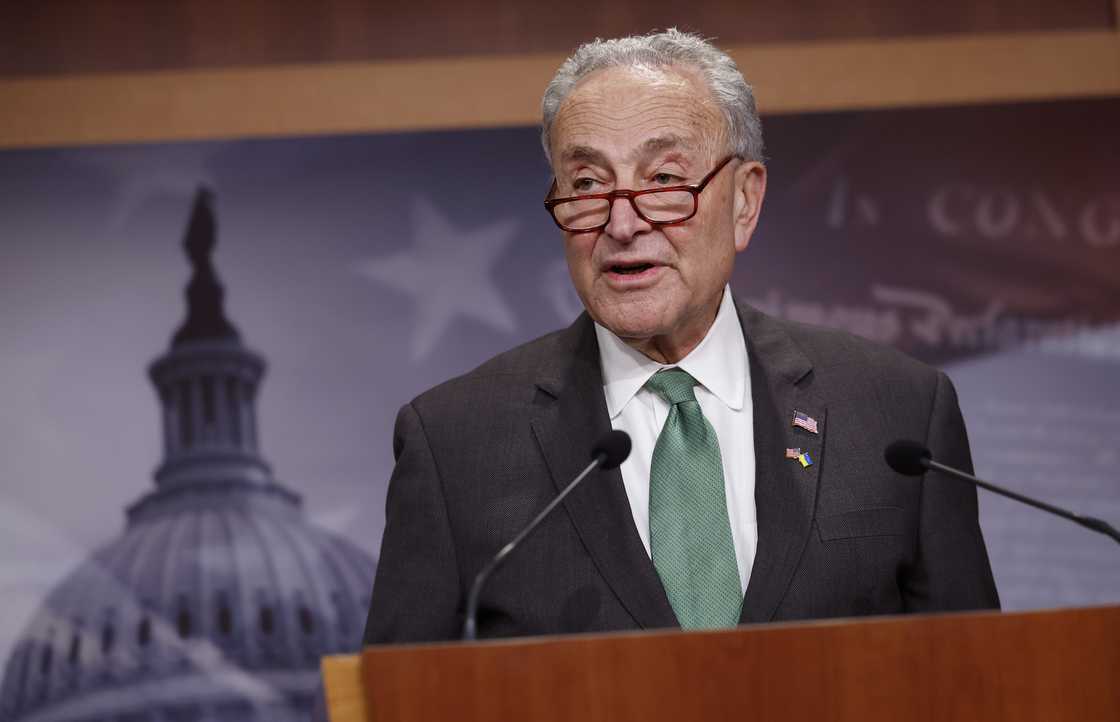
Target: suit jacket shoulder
{"type": "Point", "coordinates": [477, 458]}
{"type": "Point", "coordinates": [851, 374]}
{"type": "Point", "coordinates": [830, 349]}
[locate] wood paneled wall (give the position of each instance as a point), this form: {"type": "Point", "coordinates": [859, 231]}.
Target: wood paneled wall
{"type": "Point", "coordinates": [76, 36]}
{"type": "Point", "coordinates": [111, 71]}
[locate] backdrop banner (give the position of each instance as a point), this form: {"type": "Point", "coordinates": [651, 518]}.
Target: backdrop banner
{"type": "Point", "coordinates": [193, 481]}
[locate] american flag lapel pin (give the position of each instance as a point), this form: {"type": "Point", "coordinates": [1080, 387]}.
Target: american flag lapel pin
{"type": "Point", "coordinates": [804, 421]}
{"type": "Point", "coordinates": [793, 453]}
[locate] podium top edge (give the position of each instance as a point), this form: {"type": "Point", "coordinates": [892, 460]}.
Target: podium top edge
{"type": "Point", "coordinates": [882, 621]}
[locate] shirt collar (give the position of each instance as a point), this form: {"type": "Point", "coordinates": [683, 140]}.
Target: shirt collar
{"type": "Point", "coordinates": [718, 363]}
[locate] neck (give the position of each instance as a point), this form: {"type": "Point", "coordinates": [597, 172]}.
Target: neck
{"type": "Point", "coordinates": [672, 347]}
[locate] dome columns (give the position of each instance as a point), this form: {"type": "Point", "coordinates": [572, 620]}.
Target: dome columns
{"type": "Point", "coordinates": [207, 391]}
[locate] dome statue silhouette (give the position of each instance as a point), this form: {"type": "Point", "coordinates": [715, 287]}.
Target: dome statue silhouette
{"type": "Point", "coordinates": [219, 598]}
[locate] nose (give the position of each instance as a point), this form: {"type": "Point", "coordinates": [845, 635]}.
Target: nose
{"type": "Point", "coordinates": [625, 223]}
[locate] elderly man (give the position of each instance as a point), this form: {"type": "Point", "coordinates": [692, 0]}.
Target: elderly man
{"type": "Point", "coordinates": [756, 489]}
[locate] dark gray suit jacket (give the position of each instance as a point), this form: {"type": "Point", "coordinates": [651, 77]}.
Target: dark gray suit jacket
{"type": "Point", "coordinates": [480, 455]}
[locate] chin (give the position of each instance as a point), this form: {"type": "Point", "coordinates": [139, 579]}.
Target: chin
{"type": "Point", "coordinates": [632, 321]}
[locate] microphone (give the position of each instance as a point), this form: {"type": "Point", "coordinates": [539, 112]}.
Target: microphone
{"type": "Point", "coordinates": [913, 459]}
{"type": "Point", "coordinates": [608, 452]}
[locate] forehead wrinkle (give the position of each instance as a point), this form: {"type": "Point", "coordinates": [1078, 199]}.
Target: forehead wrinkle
{"type": "Point", "coordinates": [589, 113]}
{"type": "Point", "coordinates": [661, 130]}
{"type": "Point", "coordinates": [668, 121]}
{"type": "Point", "coordinates": [633, 111]}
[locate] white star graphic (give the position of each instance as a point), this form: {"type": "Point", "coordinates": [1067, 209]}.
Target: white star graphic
{"type": "Point", "coordinates": [447, 274]}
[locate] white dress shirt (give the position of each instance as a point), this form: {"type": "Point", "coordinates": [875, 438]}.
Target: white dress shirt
{"type": "Point", "coordinates": [719, 365]}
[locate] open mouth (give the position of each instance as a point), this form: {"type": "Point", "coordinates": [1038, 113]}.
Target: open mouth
{"type": "Point", "coordinates": [630, 269]}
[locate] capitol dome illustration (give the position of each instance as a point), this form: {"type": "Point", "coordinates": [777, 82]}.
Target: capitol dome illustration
{"type": "Point", "coordinates": [219, 598]}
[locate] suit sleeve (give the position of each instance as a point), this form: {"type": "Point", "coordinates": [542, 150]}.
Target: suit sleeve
{"type": "Point", "coordinates": [952, 571]}
{"type": "Point", "coordinates": [416, 591]}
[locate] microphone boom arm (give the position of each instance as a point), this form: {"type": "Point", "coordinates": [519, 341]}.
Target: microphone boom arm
{"type": "Point", "coordinates": [1097, 525]}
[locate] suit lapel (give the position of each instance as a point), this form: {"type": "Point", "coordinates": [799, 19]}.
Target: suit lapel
{"type": "Point", "coordinates": [785, 490]}
{"type": "Point", "coordinates": [572, 416]}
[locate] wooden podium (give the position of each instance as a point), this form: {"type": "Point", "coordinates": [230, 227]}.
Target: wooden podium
{"type": "Point", "coordinates": [1045, 666]}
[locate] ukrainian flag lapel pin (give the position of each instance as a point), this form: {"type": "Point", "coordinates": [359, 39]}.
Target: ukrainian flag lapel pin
{"type": "Point", "coordinates": [799, 456]}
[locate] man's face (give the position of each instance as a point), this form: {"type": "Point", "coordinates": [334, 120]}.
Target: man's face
{"type": "Point", "coordinates": [639, 128]}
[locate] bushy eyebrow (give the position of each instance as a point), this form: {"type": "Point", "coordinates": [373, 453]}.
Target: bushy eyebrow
{"type": "Point", "coordinates": [662, 143]}
{"type": "Point", "coordinates": [584, 154]}
{"type": "Point", "coordinates": [649, 147]}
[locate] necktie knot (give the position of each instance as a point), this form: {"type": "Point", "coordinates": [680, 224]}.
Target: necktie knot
{"type": "Point", "coordinates": [674, 385]}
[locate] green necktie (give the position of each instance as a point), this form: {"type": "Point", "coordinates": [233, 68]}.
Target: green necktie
{"type": "Point", "coordinates": [689, 534]}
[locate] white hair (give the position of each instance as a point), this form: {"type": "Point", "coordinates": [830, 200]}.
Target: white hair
{"type": "Point", "coordinates": [729, 89]}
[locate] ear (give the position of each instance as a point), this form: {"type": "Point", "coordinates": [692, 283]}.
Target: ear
{"type": "Point", "coordinates": [749, 189]}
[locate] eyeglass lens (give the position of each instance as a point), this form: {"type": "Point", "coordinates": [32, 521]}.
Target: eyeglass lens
{"type": "Point", "coordinates": [658, 207]}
